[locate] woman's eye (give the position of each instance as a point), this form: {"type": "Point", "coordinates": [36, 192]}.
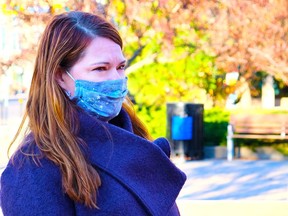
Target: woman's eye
{"type": "Point", "coordinates": [122, 67]}
{"type": "Point", "coordinates": [100, 69]}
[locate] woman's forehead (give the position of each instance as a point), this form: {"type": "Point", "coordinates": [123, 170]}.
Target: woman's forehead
{"type": "Point", "coordinates": [102, 50]}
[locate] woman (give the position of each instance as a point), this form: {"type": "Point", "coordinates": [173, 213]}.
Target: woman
{"type": "Point", "coordinates": [86, 152]}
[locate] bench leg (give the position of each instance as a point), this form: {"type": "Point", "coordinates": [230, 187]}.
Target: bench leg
{"type": "Point", "coordinates": [230, 149]}
{"type": "Point", "coordinates": [230, 144]}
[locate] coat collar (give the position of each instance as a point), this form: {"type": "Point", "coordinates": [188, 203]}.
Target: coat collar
{"type": "Point", "coordinates": [139, 165]}
{"type": "Point", "coordinates": [123, 121]}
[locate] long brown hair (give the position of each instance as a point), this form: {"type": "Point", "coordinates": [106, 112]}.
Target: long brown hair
{"type": "Point", "coordinates": [52, 117]}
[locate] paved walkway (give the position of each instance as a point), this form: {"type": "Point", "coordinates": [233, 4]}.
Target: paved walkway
{"type": "Point", "coordinates": [234, 180]}
{"type": "Point", "coordinates": [232, 208]}
{"type": "Point", "coordinates": [238, 188]}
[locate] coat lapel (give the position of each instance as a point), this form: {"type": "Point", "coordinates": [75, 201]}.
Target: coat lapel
{"type": "Point", "coordinates": [139, 165]}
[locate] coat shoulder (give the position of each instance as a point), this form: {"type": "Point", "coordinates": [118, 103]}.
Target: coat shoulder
{"type": "Point", "coordinates": [34, 183]}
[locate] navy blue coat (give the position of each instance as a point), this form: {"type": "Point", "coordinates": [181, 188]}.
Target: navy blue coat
{"type": "Point", "coordinates": [137, 176]}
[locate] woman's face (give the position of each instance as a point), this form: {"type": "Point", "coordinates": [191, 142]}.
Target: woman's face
{"type": "Point", "coordinates": [102, 60]}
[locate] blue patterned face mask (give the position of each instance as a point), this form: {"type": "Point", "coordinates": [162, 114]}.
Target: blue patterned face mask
{"type": "Point", "coordinates": [101, 99]}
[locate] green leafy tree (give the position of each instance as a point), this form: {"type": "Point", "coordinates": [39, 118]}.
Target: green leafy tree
{"type": "Point", "coordinates": [163, 46]}
{"type": "Point", "coordinates": [176, 50]}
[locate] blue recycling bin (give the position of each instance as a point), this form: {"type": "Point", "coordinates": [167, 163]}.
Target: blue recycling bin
{"type": "Point", "coordinates": [182, 127]}
{"type": "Point", "coordinates": [185, 129]}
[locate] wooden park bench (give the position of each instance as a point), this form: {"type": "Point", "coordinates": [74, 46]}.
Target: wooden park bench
{"type": "Point", "coordinates": [255, 126]}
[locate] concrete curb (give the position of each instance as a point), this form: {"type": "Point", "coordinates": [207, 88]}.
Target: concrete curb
{"type": "Point", "coordinates": [235, 208]}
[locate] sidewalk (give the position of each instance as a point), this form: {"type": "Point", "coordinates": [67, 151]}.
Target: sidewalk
{"type": "Point", "coordinates": [238, 188]}
{"type": "Point", "coordinates": [234, 180]}
{"type": "Point", "coordinates": [232, 208]}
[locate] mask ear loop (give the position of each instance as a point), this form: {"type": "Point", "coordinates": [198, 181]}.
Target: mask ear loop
{"type": "Point", "coordinates": [68, 93]}
{"type": "Point", "coordinates": [70, 75]}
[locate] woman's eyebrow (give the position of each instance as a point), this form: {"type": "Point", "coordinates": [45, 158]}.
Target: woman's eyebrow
{"type": "Point", "coordinates": [107, 63]}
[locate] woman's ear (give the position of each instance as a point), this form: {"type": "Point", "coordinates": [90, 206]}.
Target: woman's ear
{"type": "Point", "coordinates": [61, 79]}
{"type": "Point", "coordinates": [65, 82]}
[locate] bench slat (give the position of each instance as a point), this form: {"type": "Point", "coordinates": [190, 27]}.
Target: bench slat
{"type": "Point", "coordinates": [273, 124]}
{"type": "Point", "coordinates": [258, 124]}
{"type": "Point", "coordinates": [257, 136]}
{"type": "Point", "coordinates": [259, 130]}
{"type": "Point", "coordinates": [260, 117]}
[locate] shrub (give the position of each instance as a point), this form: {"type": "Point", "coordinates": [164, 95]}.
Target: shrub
{"type": "Point", "coordinates": [215, 126]}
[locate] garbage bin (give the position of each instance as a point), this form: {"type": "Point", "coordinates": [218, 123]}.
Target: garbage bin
{"type": "Point", "coordinates": [185, 129]}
